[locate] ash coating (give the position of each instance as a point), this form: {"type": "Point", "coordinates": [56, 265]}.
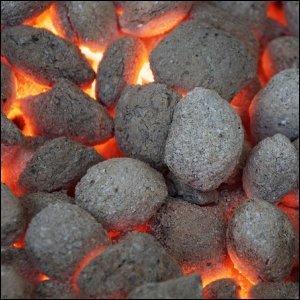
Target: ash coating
{"type": "Point", "coordinates": [44, 56]}
{"type": "Point", "coordinates": [92, 23]}
{"type": "Point", "coordinates": [10, 133]}
{"type": "Point", "coordinates": [57, 164]}
{"type": "Point", "coordinates": [118, 68]}
{"type": "Point", "coordinates": [143, 119]}
{"type": "Point", "coordinates": [12, 217]}
{"type": "Point", "coordinates": [261, 241]}
{"type": "Point", "coordinates": [66, 110]}
{"type": "Point", "coordinates": [121, 193]}
{"type": "Point", "coordinates": [204, 123]}
{"type": "Point", "coordinates": [275, 109]}
{"type": "Point", "coordinates": [291, 9]}
{"type": "Point", "coordinates": [221, 289]}
{"type": "Point", "coordinates": [296, 144]}
{"type": "Point", "coordinates": [60, 236]}
{"type": "Point", "coordinates": [16, 12]}
{"type": "Point", "coordinates": [189, 287]}
{"type": "Point", "coordinates": [136, 260]}
{"type": "Point", "coordinates": [272, 169]}
{"type": "Point", "coordinates": [192, 55]}
{"type": "Point", "coordinates": [193, 235]}
{"type": "Point", "coordinates": [8, 82]}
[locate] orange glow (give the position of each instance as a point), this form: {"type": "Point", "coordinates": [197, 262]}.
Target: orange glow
{"type": "Point", "coordinates": [141, 228]}
{"type": "Point", "coordinates": [267, 65]}
{"type": "Point", "coordinates": [145, 76]}
{"type": "Point", "coordinates": [109, 149]}
{"type": "Point", "coordinates": [291, 199]}
{"type": "Point", "coordinates": [119, 11]}
{"type": "Point", "coordinates": [42, 277]}
{"type": "Point", "coordinates": [91, 89]}
{"type": "Point", "coordinates": [93, 57]}
{"type": "Point", "coordinates": [275, 11]}
{"type": "Point", "coordinates": [21, 243]}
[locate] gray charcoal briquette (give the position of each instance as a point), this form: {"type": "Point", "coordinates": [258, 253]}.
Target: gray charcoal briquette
{"type": "Point", "coordinates": [10, 133]}
{"type": "Point", "coordinates": [8, 82]}
{"type": "Point", "coordinates": [60, 236]}
{"type": "Point", "coordinates": [205, 140]}
{"type": "Point", "coordinates": [142, 122]}
{"type": "Point", "coordinates": [221, 289]}
{"type": "Point", "coordinates": [191, 47]}
{"type": "Point", "coordinates": [275, 109]}
{"type": "Point", "coordinates": [261, 241]}
{"type": "Point", "coordinates": [136, 260]}
{"type": "Point", "coordinates": [44, 56]}
{"type": "Point", "coordinates": [291, 10]}
{"type": "Point", "coordinates": [296, 144]}
{"type": "Point", "coordinates": [189, 287]}
{"type": "Point", "coordinates": [121, 193]}
{"type": "Point", "coordinates": [66, 110]}
{"type": "Point", "coordinates": [272, 169]}
{"type": "Point", "coordinates": [57, 164]}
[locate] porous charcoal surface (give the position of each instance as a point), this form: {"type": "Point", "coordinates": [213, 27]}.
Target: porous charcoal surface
{"type": "Point", "coordinates": [121, 193]}
{"type": "Point", "coordinates": [272, 169]}
{"type": "Point", "coordinates": [45, 56]}
{"type": "Point", "coordinates": [192, 56]}
{"type": "Point", "coordinates": [8, 82]}
{"type": "Point", "coordinates": [118, 68]}
{"type": "Point", "coordinates": [221, 289]}
{"type": "Point", "coordinates": [10, 133]}
{"type": "Point", "coordinates": [60, 236]}
{"type": "Point", "coordinates": [192, 234]}
{"type": "Point", "coordinates": [271, 290]}
{"type": "Point", "coordinates": [66, 110]}
{"type": "Point", "coordinates": [291, 9]}
{"type": "Point", "coordinates": [15, 12]}
{"type": "Point", "coordinates": [50, 289]}
{"type": "Point", "coordinates": [12, 217]}
{"type": "Point", "coordinates": [204, 123]}
{"type": "Point", "coordinates": [296, 144]}
{"type": "Point", "coordinates": [189, 287]}
{"type": "Point", "coordinates": [57, 164]}
{"type": "Point", "coordinates": [92, 23]}
{"type": "Point", "coordinates": [261, 241]}
{"type": "Point", "coordinates": [136, 260]}
{"type": "Point", "coordinates": [143, 119]}
{"type": "Point", "coordinates": [149, 18]}
{"type": "Point", "coordinates": [275, 109]}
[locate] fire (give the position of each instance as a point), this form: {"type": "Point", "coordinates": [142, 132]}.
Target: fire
{"type": "Point", "coordinates": [275, 11]}
{"type": "Point", "coordinates": [94, 58]}
{"type": "Point", "coordinates": [42, 277]}
{"type": "Point", "coordinates": [145, 75]}
{"type": "Point", "coordinates": [109, 149]}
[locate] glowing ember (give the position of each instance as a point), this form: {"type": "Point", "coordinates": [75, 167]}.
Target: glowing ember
{"type": "Point", "coordinates": [42, 277]}
{"type": "Point", "coordinates": [91, 89]}
{"type": "Point", "coordinates": [94, 58]}
{"type": "Point", "coordinates": [275, 11]}
{"type": "Point", "coordinates": [109, 149]}
{"type": "Point", "coordinates": [146, 74]}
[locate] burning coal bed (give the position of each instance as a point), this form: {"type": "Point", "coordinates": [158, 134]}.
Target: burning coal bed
{"type": "Point", "coordinates": [149, 149]}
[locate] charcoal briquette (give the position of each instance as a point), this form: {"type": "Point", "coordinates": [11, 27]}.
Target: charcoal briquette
{"type": "Point", "coordinates": [10, 133]}
{"type": "Point", "coordinates": [8, 82]}
{"type": "Point", "coordinates": [222, 289]}
{"type": "Point", "coordinates": [291, 10]}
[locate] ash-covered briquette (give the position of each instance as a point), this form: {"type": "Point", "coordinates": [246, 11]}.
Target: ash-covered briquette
{"type": "Point", "coordinates": [261, 241]}
{"type": "Point", "coordinates": [51, 289]}
{"type": "Point", "coordinates": [143, 119]}
{"type": "Point", "coordinates": [179, 189]}
{"type": "Point", "coordinates": [221, 289]}
{"type": "Point", "coordinates": [192, 55]}
{"type": "Point", "coordinates": [275, 109]}
{"type": "Point", "coordinates": [12, 217]}
{"type": "Point", "coordinates": [57, 164]}
{"type": "Point", "coordinates": [253, 13]}
{"type": "Point", "coordinates": [205, 140]}
{"type": "Point", "coordinates": [280, 54]}
{"type": "Point", "coordinates": [188, 287]}
{"type": "Point", "coordinates": [291, 10]}
{"type": "Point", "coordinates": [275, 290]}
{"type": "Point", "coordinates": [119, 4]}
{"type": "Point", "coordinates": [8, 82]}
{"type": "Point", "coordinates": [10, 133]}
{"type": "Point", "coordinates": [205, 13]}
{"type": "Point", "coordinates": [119, 67]}
{"type": "Point", "coordinates": [149, 18]}
{"type": "Point", "coordinates": [44, 56]}
{"type": "Point", "coordinates": [272, 169]}
{"type": "Point", "coordinates": [60, 236]}
{"type": "Point", "coordinates": [36, 202]}
{"type": "Point", "coordinates": [192, 234]}
{"type": "Point", "coordinates": [66, 110]}
{"type": "Point", "coordinates": [16, 12]}
{"type": "Point", "coordinates": [92, 23]}
{"type": "Point", "coordinates": [136, 260]}
{"type": "Point", "coordinates": [13, 285]}
{"type": "Point", "coordinates": [121, 193]}
{"type": "Point", "coordinates": [296, 145]}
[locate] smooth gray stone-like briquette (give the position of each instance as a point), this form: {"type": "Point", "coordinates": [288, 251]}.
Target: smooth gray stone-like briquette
{"type": "Point", "coordinates": [136, 260]}
{"type": "Point", "coordinates": [291, 10]}
{"type": "Point", "coordinates": [66, 110]}
{"type": "Point", "coordinates": [188, 287]}
{"type": "Point", "coordinates": [60, 236]}
{"type": "Point", "coordinates": [143, 119]}
{"type": "Point", "coordinates": [44, 56]}
{"type": "Point", "coordinates": [271, 170]}
{"type": "Point", "coordinates": [15, 12]}
{"type": "Point", "coordinates": [192, 55]}
{"type": "Point", "coordinates": [205, 140]}
{"type": "Point", "coordinates": [12, 217]}
{"type": "Point", "coordinates": [150, 18]}
{"type": "Point", "coordinates": [221, 289]}
{"type": "Point", "coordinates": [121, 193]}
{"type": "Point", "coordinates": [275, 109]}
{"type": "Point", "coordinates": [8, 83]}
{"type": "Point", "coordinates": [119, 67]}
{"type": "Point", "coordinates": [57, 164]}
{"type": "Point", "coordinates": [92, 23]}
{"type": "Point", "coordinates": [261, 241]}
{"type": "Point", "coordinates": [10, 133]}
{"type": "Point", "coordinates": [50, 289]}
